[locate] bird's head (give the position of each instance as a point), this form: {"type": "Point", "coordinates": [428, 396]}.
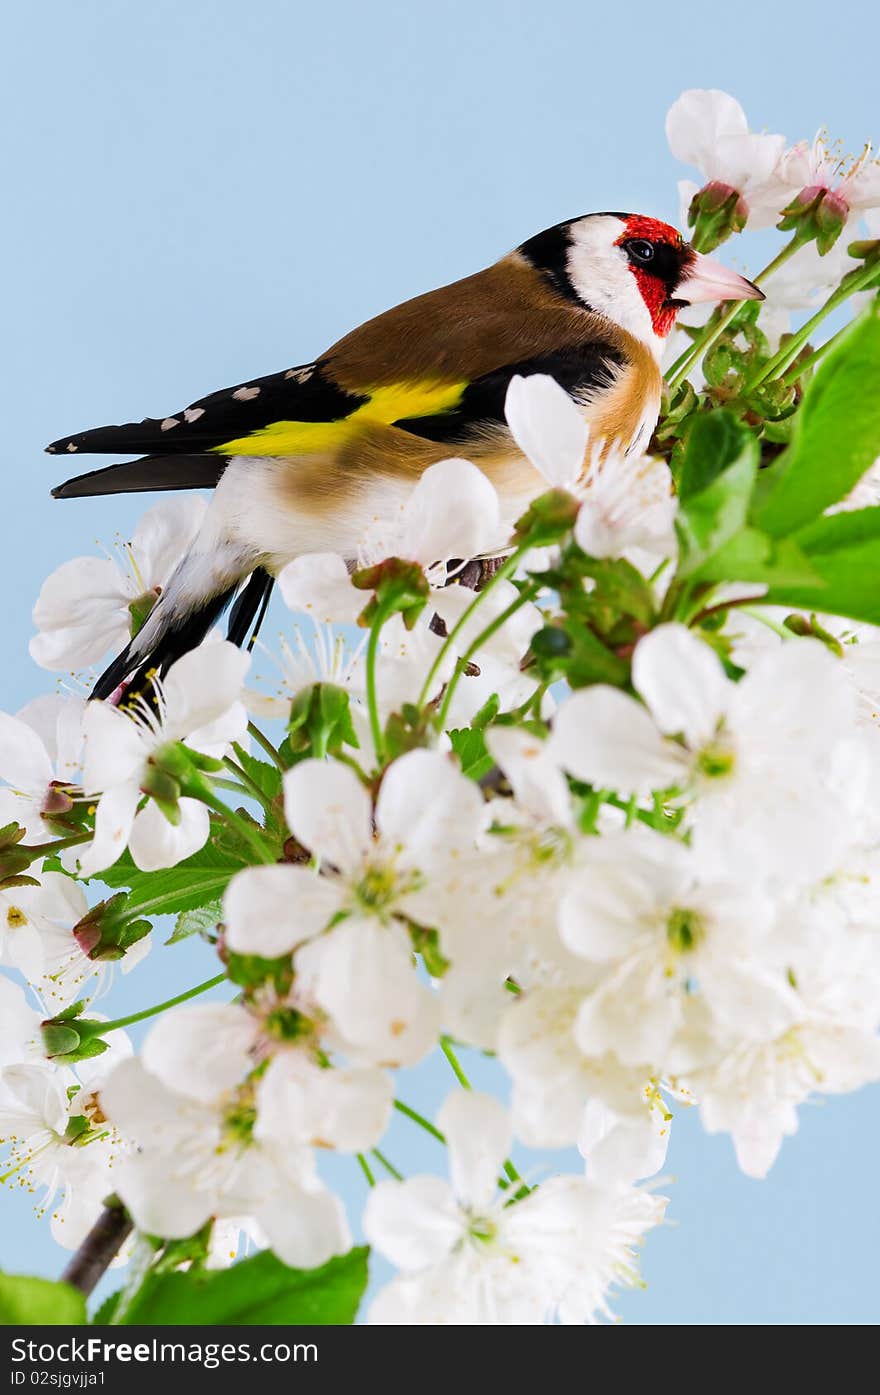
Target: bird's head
{"type": "Point", "coordinates": [636, 271]}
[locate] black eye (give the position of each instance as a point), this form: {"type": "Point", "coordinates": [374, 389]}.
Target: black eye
{"type": "Point", "coordinates": [640, 251]}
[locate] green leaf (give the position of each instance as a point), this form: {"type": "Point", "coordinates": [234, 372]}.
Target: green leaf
{"type": "Point", "coordinates": [470, 747]}
{"type": "Point", "coordinates": [622, 587]}
{"type": "Point", "coordinates": [267, 777]}
{"type": "Point", "coordinates": [836, 434]}
{"type": "Point", "coordinates": [712, 517]}
{"type": "Point", "coordinates": [752, 556]}
{"type": "Point", "coordinates": [107, 1309]}
{"type": "Point", "coordinates": [201, 878]}
{"type": "Point", "coordinates": [259, 1290]}
{"type": "Point", "coordinates": [714, 441]}
{"type": "Point", "coordinates": [27, 1302]}
{"type": "Point", "coordinates": [844, 553]}
{"type": "Point", "coordinates": [840, 530]}
{"type": "Point", "coordinates": [200, 920]}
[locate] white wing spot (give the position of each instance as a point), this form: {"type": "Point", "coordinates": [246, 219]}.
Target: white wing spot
{"type": "Point", "coordinates": [167, 424]}
{"type": "Point", "coordinates": [72, 448]}
{"type": "Point", "coordinates": [246, 394]}
{"type": "Point", "coordinates": [193, 413]}
{"type": "Point", "coordinates": [300, 375]}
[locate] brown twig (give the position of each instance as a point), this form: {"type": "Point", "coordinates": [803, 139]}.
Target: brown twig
{"type": "Point", "coordinates": [99, 1249]}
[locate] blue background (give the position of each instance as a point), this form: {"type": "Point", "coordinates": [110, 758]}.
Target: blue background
{"type": "Point", "coordinates": [203, 192]}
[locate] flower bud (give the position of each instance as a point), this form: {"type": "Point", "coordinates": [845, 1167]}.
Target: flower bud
{"type": "Point", "coordinates": [817, 213]}
{"type": "Point", "coordinates": [175, 772]}
{"type": "Point", "coordinates": [68, 1037]}
{"type": "Point", "coordinates": [14, 859]}
{"type": "Point", "coordinates": [398, 586]}
{"type": "Point", "coordinates": [109, 929]}
{"type": "Point", "coordinates": [716, 211]}
{"type": "Point", "coordinates": [320, 720]}
{"type": "Point", "coordinates": [547, 519]}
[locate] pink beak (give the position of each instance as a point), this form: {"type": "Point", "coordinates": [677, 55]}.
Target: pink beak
{"type": "Point", "coordinates": [706, 279]}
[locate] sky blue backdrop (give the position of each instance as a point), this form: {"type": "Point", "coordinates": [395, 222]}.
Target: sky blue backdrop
{"type": "Point", "coordinates": [197, 193]}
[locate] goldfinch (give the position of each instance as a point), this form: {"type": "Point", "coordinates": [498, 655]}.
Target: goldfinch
{"type": "Point", "coordinates": [301, 460]}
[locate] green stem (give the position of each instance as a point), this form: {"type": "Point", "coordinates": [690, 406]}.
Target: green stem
{"type": "Point", "coordinates": [712, 332]}
{"type": "Point", "coordinates": [446, 1048]}
{"type": "Point", "coordinates": [799, 369]}
{"type": "Point", "coordinates": [372, 700]}
{"type": "Point", "coordinates": [266, 744]}
{"type": "Point", "coordinates": [419, 1119]}
{"type": "Point", "coordinates": [853, 282]}
{"type": "Point", "coordinates": [522, 599]}
{"type": "Point", "coordinates": [705, 611]}
{"type": "Point", "coordinates": [503, 572]}
{"type": "Point", "coordinates": [763, 619]}
{"type": "Point", "coordinates": [161, 1007]}
{"type": "Point", "coordinates": [365, 1168]}
{"type": "Point", "coordinates": [231, 785]}
{"type": "Point", "coordinates": [238, 769]}
{"type": "Point", "coordinates": [388, 1166]}
{"type": "Point", "coordinates": [58, 845]}
{"type": "Point", "coordinates": [242, 828]}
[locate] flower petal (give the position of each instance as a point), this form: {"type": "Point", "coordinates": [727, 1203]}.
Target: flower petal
{"type": "Point", "coordinates": [319, 584]}
{"type": "Point", "coordinates": [201, 1049]}
{"type": "Point", "coordinates": [536, 780]}
{"type": "Point", "coordinates": [547, 427]}
{"type": "Point", "coordinates": [604, 736]}
{"type": "Point", "coordinates": [81, 612]}
{"type": "Point", "coordinates": [270, 910]}
{"type": "Point", "coordinates": [478, 1135]}
{"type": "Point", "coordinates": [413, 1223]}
{"type": "Point", "coordinates": [695, 121]}
{"type": "Point", "coordinates": [328, 811]}
{"type": "Point", "coordinates": [345, 1108]}
{"type": "Point", "coordinates": [114, 818]}
{"type": "Point", "coordinates": [305, 1228]}
{"type": "Point", "coordinates": [682, 682]}
{"type": "Point", "coordinates": [115, 747]}
{"type": "Point", "coordinates": [425, 806]}
{"type": "Point", "coordinates": [155, 843]}
{"type": "Point", "coordinates": [24, 760]}
{"type": "Point", "coordinates": [161, 1202]}
{"type": "Point", "coordinates": [452, 512]}
{"type": "Point", "coordinates": [623, 1148]}
{"type": "Point", "coordinates": [201, 686]}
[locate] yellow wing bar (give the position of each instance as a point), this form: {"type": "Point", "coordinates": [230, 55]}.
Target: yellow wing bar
{"type": "Point", "coordinates": [385, 405]}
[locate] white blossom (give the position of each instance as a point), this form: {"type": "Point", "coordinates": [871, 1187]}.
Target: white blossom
{"type": "Point", "coordinates": [709, 129]}
{"type": "Point", "coordinates": [84, 607]}
{"type": "Point", "coordinates": [757, 755]}
{"type": "Point", "coordinates": [60, 1148]}
{"type": "Point", "coordinates": [197, 702]}
{"type": "Point", "coordinates": [467, 1258]}
{"type": "Point", "coordinates": [40, 751]}
{"type": "Point", "coordinates": [204, 1142]}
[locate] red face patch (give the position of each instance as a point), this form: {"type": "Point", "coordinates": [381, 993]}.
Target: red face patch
{"type": "Point", "coordinates": [652, 230]}
{"type": "Point", "coordinates": [653, 279]}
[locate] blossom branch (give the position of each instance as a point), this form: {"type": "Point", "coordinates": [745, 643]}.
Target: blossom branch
{"type": "Point", "coordinates": [99, 1249]}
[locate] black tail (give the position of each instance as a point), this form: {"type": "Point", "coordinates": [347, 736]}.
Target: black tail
{"type": "Point", "coordinates": [137, 671]}
{"type": "Point", "coordinates": [150, 472]}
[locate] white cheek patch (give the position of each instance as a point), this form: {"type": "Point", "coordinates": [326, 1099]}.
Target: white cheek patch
{"type": "Point", "coordinates": [601, 276]}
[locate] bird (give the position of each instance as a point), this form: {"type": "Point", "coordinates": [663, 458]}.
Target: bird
{"type": "Point", "coordinates": [301, 460]}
